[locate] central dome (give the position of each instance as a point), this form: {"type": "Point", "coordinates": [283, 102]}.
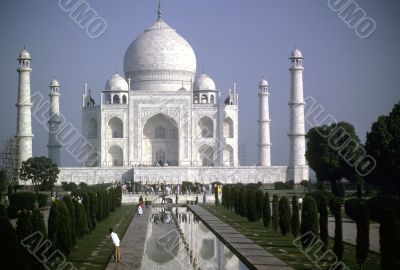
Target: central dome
{"type": "Point", "coordinates": [159, 59]}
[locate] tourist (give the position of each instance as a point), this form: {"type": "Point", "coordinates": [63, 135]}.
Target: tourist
{"type": "Point", "coordinates": [115, 239]}
{"type": "Point", "coordinates": [140, 210]}
{"type": "Point", "coordinates": [140, 199]}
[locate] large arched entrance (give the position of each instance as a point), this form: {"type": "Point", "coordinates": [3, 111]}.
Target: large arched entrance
{"type": "Point", "coordinates": [160, 143]}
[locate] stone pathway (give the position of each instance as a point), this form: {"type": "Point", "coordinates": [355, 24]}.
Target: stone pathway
{"type": "Point", "coordinates": [133, 244]}
{"type": "Point", "coordinates": [251, 254]}
{"type": "Point", "coordinates": [350, 233]}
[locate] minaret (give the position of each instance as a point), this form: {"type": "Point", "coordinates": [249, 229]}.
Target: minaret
{"type": "Point", "coordinates": [54, 122]}
{"type": "Point", "coordinates": [298, 169]}
{"type": "Point", "coordinates": [24, 105]}
{"type": "Point", "coordinates": [264, 139]}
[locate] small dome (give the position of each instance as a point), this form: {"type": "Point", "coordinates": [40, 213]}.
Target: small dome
{"type": "Point", "coordinates": [116, 83]}
{"type": "Point", "coordinates": [296, 54]}
{"type": "Point", "coordinates": [54, 83]}
{"type": "Point", "coordinates": [204, 82]}
{"type": "Point", "coordinates": [263, 83]}
{"type": "Point", "coordinates": [24, 55]}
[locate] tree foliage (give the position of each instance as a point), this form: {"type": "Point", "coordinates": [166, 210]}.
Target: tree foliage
{"type": "Point", "coordinates": [389, 233]}
{"type": "Point", "coordinates": [332, 152]}
{"type": "Point", "coordinates": [266, 210]}
{"type": "Point", "coordinates": [284, 215]}
{"type": "Point", "coordinates": [275, 212]}
{"type": "Point", "coordinates": [295, 220]}
{"type": "Point", "coordinates": [309, 221]}
{"type": "Point", "coordinates": [362, 239]}
{"type": "Point", "coordinates": [9, 246]}
{"type": "Point", "coordinates": [383, 144]}
{"type": "Point", "coordinates": [41, 171]}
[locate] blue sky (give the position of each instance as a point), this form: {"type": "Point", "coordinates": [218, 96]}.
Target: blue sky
{"type": "Point", "coordinates": [354, 79]}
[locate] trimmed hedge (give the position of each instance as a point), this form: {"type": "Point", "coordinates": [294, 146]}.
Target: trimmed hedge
{"type": "Point", "coordinates": [9, 247]}
{"type": "Point", "coordinates": [23, 200]}
{"type": "Point", "coordinates": [295, 222]}
{"type": "Point", "coordinates": [309, 221]}
{"type": "Point", "coordinates": [266, 210]}
{"type": "Point", "coordinates": [351, 206]}
{"type": "Point", "coordinates": [259, 204]}
{"type": "Point", "coordinates": [284, 215]}
{"type": "Point", "coordinates": [284, 185]}
{"type": "Point", "coordinates": [275, 212]}
{"type": "Point", "coordinates": [42, 199]}
{"type": "Point", "coordinates": [251, 205]}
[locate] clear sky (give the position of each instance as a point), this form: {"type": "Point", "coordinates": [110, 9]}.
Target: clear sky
{"type": "Point", "coordinates": [354, 79]}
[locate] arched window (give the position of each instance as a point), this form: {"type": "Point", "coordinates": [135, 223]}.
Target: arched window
{"type": "Point", "coordinates": [116, 99]}
{"type": "Point", "coordinates": [206, 127]}
{"type": "Point", "coordinates": [160, 133]}
{"type": "Point", "coordinates": [124, 99]}
{"type": "Point", "coordinates": [228, 156]}
{"type": "Point", "coordinates": [206, 155]}
{"type": "Point", "coordinates": [92, 129]}
{"type": "Point", "coordinates": [228, 128]}
{"type": "Point", "coordinates": [116, 155]}
{"type": "Point", "coordinates": [108, 99]}
{"type": "Point", "coordinates": [204, 99]}
{"type": "Point", "coordinates": [196, 99]}
{"type": "Point", "coordinates": [212, 100]}
{"type": "Point", "coordinates": [115, 128]}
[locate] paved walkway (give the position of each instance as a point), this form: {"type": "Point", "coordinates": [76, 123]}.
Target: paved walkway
{"type": "Point", "coordinates": [251, 254]}
{"type": "Point", "coordinates": [132, 244]}
{"type": "Point", "coordinates": [350, 233]}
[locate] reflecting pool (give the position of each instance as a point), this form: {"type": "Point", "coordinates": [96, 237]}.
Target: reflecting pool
{"type": "Point", "coordinates": [176, 239]}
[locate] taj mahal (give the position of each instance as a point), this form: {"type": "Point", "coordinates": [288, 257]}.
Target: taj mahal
{"type": "Point", "coordinates": [161, 121]}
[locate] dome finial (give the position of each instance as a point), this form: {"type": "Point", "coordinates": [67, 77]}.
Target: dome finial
{"type": "Point", "coordinates": [159, 11]}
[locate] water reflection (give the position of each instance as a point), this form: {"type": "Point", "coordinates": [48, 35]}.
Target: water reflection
{"type": "Point", "coordinates": [176, 239]}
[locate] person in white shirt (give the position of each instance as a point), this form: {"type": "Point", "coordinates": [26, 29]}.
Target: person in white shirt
{"type": "Point", "coordinates": [115, 239]}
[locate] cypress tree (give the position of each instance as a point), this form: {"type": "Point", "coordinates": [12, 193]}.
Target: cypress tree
{"type": "Point", "coordinates": [72, 217]}
{"type": "Point", "coordinates": [389, 233]}
{"type": "Point", "coordinates": [362, 239]}
{"type": "Point", "coordinates": [86, 204]}
{"type": "Point", "coordinates": [295, 223]}
{"type": "Point", "coordinates": [251, 205]}
{"type": "Point", "coordinates": [83, 225]}
{"type": "Point", "coordinates": [92, 211]}
{"type": "Point", "coordinates": [38, 222]}
{"type": "Point", "coordinates": [259, 203]}
{"type": "Point", "coordinates": [9, 245]}
{"type": "Point", "coordinates": [323, 221]}
{"type": "Point", "coordinates": [309, 221]}
{"type": "Point", "coordinates": [243, 202]}
{"type": "Point", "coordinates": [275, 212]}
{"type": "Point", "coordinates": [216, 196]}
{"type": "Point", "coordinates": [75, 226]}
{"type": "Point", "coordinates": [338, 239]}
{"type": "Point", "coordinates": [99, 204]}
{"type": "Point", "coordinates": [24, 229]}
{"type": "Point", "coordinates": [106, 206]}
{"type": "Point", "coordinates": [284, 215]}
{"type": "Point", "coordinates": [233, 198]}
{"type": "Point", "coordinates": [59, 227]}
{"type": "Point", "coordinates": [266, 210]}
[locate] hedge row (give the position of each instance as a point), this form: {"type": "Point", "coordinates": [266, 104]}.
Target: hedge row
{"type": "Point", "coordinates": [76, 216]}
{"type": "Point", "coordinates": [25, 200]}
{"type": "Point", "coordinates": [378, 204]}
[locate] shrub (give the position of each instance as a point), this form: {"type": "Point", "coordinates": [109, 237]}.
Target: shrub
{"type": "Point", "coordinates": [23, 200]}
{"type": "Point", "coordinates": [295, 222]}
{"type": "Point", "coordinates": [284, 215]}
{"type": "Point", "coordinates": [377, 204]}
{"type": "Point", "coordinates": [92, 212]}
{"type": "Point", "coordinates": [24, 229]}
{"type": "Point", "coordinates": [83, 225]}
{"type": "Point", "coordinates": [323, 222]}
{"type": "Point", "coordinates": [309, 221]}
{"type": "Point", "coordinates": [42, 199]}
{"type": "Point", "coordinates": [86, 204]}
{"type": "Point", "coordinates": [243, 201]}
{"type": "Point", "coordinates": [284, 185]}
{"type": "Point", "coordinates": [233, 197]}
{"type": "Point", "coordinates": [266, 210]}
{"type": "Point", "coordinates": [71, 186]}
{"type": "Point", "coordinates": [338, 239]}
{"type": "Point", "coordinates": [12, 211]}
{"type": "Point", "coordinates": [3, 211]}
{"type": "Point", "coordinates": [251, 205]}
{"type": "Point", "coordinates": [362, 240]}
{"type": "Point", "coordinates": [389, 232]}
{"type": "Point", "coordinates": [259, 203]}
{"type": "Point", "coordinates": [9, 246]}
{"type": "Point", "coordinates": [275, 212]}
{"type": "Point", "coordinates": [99, 208]}
{"type": "Point", "coordinates": [38, 222]}
{"type": "Point", "coordinates": [59, 227]}
{"type": "Point", "coordinates": [71, 210]}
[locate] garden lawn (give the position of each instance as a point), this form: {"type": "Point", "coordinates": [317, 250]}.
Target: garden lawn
{"type": "Point", "coordinates": [94, 251]}
{"type": "Point", "coordinates": [282, 246]}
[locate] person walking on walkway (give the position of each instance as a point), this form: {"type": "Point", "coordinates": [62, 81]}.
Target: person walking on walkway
{"type": "Point", "coordinates": [116, 241]}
